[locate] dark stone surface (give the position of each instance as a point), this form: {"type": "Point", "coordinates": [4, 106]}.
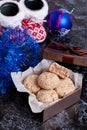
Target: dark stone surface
{"type": "Point", "coordinates": [15, 113]}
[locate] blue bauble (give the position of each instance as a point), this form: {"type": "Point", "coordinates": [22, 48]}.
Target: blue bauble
{"type": "Point", "coordinates": [65, 21]}
{"type": "Point", "coordinates": [59, 22]}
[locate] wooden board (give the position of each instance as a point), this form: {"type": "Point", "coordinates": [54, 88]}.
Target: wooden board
{"type": "Point", "coordinates": [64, 103]}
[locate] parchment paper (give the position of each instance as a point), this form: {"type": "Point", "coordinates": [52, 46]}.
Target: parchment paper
{"type": "Point", "coordinates": [35, 105]}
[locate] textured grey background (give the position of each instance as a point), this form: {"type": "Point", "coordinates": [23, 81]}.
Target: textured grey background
{"type": "Point", "coordinates": [15, 113]}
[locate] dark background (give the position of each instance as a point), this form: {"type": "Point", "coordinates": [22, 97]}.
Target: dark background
{"type": "Point", "coordinates": [15, 113]}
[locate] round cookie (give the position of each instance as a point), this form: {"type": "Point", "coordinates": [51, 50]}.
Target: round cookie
{"type": "Point", "coordinates": [65, 87]}
{"type": "Point", "coordinates": [47, 96]}
{"type": "Point", "coordinates": [30, 82]}
{"type": "Point", "coordinates": [48, 80]}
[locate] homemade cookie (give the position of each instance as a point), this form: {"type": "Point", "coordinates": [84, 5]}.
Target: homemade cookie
{"type": "Point", "coordinates": [30, 82]}
{"type": "Point", "coordinates": [47, 96]}
{"type": "Point", "coordinates": [65, 87]}
{"type": "Point", "coordinates": [59, 70]}
{"type": "Point", "coordinates": [48, 80]}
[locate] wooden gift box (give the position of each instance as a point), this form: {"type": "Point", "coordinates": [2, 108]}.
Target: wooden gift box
{"type": "Point", "coordinates": [64, 103]}
{"type": "Point", "coordinates": [67, 55]}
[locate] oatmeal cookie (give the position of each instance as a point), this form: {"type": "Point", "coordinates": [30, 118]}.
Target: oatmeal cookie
{"type": "Point", "coordinates": [30, 82]}
{"type": "Point", "coordinates": [48, 80]}
{"type": "Point", "coordinates": [65, 87]}
{"type": "Point", "coordinates": [61, 71]}
{"type": "Point", "coordinates": [47, 96]}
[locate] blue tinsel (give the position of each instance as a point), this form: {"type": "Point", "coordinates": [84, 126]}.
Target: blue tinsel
{"type": "Point", "coordinates": [18, 51]}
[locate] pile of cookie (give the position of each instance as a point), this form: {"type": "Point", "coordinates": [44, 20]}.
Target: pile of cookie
{"type": "Point", "coordinates": [50, 85]}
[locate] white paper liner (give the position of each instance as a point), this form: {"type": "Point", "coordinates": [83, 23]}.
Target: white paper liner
{"type": "Point", "coordinates": [12, 21]}
{"type": "Point", "coordinates": [39, 14]}
{"type": "Point", "coordinates": [35, 105]}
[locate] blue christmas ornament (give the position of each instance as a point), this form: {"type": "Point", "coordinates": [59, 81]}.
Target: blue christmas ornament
{"type": "Point", "coordinates": [59, 22]}
{"type": "Point", "coordinates": [18, 51]}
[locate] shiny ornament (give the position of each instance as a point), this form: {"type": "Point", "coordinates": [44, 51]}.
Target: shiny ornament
{"type": "Point", "coordinates": [59, 22]}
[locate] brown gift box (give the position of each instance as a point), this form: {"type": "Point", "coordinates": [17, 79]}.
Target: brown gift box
{"type": "Point", "coordinates": [64, 103]}
{"type": "Point", "coordinates": [70, 55]}
{"type": "Point", "coordinates": [66, 54]}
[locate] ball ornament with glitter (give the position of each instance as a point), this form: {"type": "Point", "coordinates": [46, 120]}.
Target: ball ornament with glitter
{"type": "Point", "coordinates": [59, 22]}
